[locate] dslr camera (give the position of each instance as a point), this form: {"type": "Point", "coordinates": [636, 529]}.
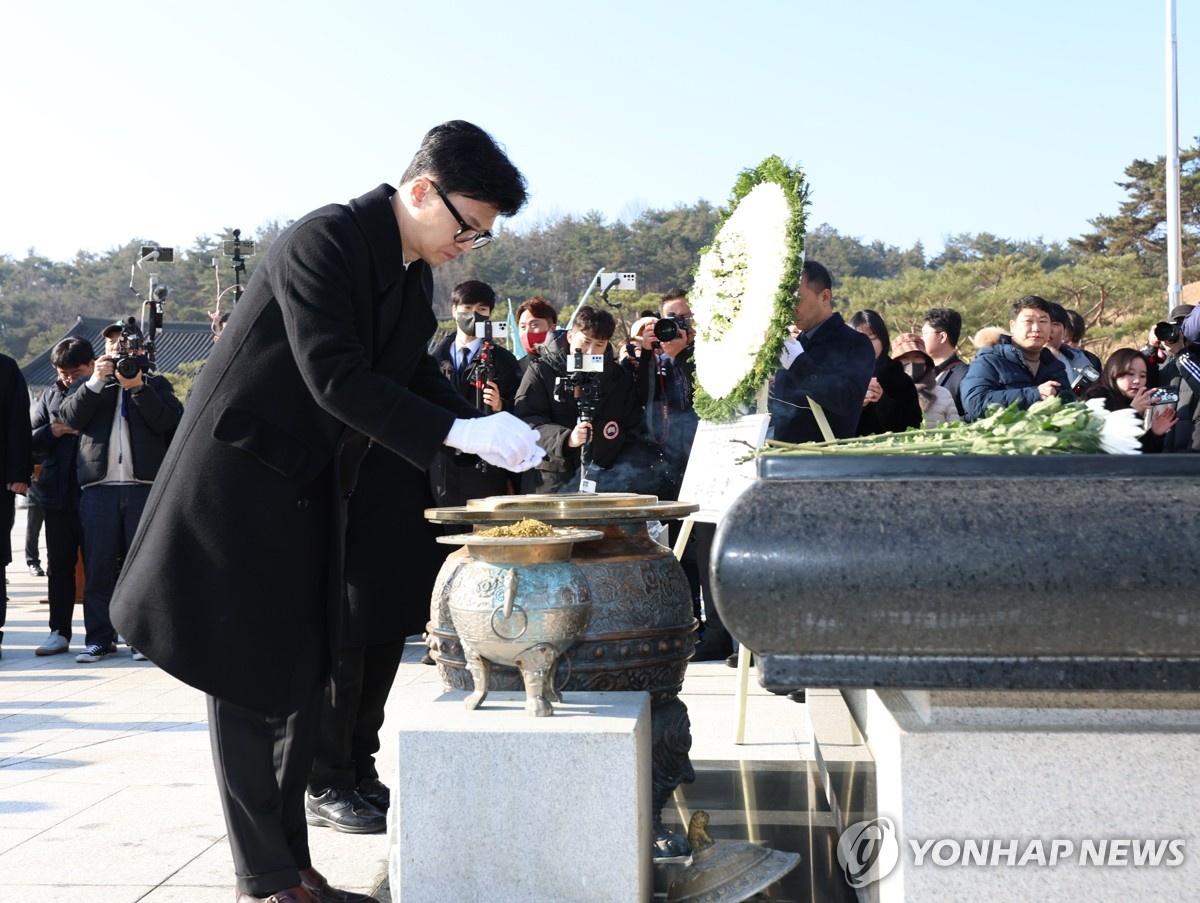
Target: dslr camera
{"type": "Point", "coordinates": [668, 328]}
{"type": "Point", "coordinates": [1168, 332]}
{"type": "Point", "coordinates": [131, 349]}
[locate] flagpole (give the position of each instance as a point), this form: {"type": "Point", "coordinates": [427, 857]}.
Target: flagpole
{"type": "Point", "coordinates": [1174, 242]}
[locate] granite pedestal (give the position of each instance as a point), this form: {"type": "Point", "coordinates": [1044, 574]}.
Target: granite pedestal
{"type": "Point", "coordinates": [1064, 796]}
{"type": "Point", "coordinates": [494, 804]}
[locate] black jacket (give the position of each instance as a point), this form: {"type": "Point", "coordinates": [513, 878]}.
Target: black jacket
{"type": "Point", "coordinates": [617, 421]}
{"type": "Point", "coordinates": [57, 485]}
{"type": "Point", "coordinates": [14, 420]}
{"type": "Point", "coordinates": [153, 413]}
{"type": "Point", "coordinates": [898, 407]}
{"type": "Point", "coordinates": [456, 477]}
{"type": "Point", "coordinates": [835, 370]}
{"type": "Point", "coordinates": [950, 373]}
{"type": "Point", "coordinates": [671, 420]}
{"type": "Point", "coordinates": [1185, 435]}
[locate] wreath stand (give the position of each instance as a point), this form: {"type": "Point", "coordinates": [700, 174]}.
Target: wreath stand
{"type": "Point", "coordinates": [710, 439]}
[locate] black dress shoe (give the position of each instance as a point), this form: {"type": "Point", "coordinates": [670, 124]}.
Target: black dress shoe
{"type": "Point", "coordinates": [319, 889]}
{"type": "Point", "coordinates": [375, 792]}
{"type": "Point", "coordinates": [343, 810]}
{"type": "Point", "coordinates": [36, 570]}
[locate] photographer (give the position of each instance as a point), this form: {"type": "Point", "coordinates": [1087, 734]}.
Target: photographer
{"type": "Point", "coordinates": [487, 376]}
{"type": "Point", "coordinates": [125, 417]}
{"type": "Point", "coordinates": [659, 355]}
{"type": "Point", "coordinates": [1179, 373]}
{"type": "Point", "coordinates": [585, 417]}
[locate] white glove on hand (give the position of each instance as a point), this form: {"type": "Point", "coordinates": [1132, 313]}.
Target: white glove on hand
{"type": "Point", "coordinates": [501, 440]}
{"type": "Point", "coordinates": [792, 349]}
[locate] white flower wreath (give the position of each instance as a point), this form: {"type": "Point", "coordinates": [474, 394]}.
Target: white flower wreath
{"type": "Point", "coordinates": [744, 294]}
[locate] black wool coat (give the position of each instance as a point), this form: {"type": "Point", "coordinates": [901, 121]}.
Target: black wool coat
{"type": "Point", "coordinates": [234, 582]}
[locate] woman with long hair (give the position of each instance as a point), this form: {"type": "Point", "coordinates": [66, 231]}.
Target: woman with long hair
{"type": "Point", "coordinates": [1123, 384]}
{"type": "Point", "coordinates": [891, 404]}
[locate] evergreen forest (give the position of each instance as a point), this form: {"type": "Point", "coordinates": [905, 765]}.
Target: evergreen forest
{"type": "Point", "coordinates": [1115, 275]}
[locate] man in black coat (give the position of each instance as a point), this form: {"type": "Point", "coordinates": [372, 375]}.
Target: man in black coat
{"type": "Point", "coordinates": [235, 582]}
{"type": "Point", "coordinates": [826, 361]}
{"type": "Point", "coordinates": [488, 377]}
{"type": "Point", "coordinates": [18, 457]}
{"type": "Point", "coordinates": [55, 445]}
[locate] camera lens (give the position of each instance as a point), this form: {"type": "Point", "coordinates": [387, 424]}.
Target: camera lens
{"type": "Point", "coordinates": [1167, 332]}
{"type": "Point", "coordinates": [128, 367]}
{"type": "Point", "coordinates": [666, 330]}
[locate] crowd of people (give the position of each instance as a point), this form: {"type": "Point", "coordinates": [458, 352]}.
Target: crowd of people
{"type": "Point", "coordinates": [329, 417]}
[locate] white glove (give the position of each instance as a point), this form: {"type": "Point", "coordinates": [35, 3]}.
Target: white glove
{"type": "Point", "coordinates": [501, 440]}
{"type": "Point", "coordinates": [792, 349]}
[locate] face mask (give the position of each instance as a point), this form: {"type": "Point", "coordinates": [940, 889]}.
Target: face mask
{"type": "Point", "coordinates": [915, 371]}
{"type": "Point", "coordinates": [465, 322]}
{"type": "Point", "coordinates": [531, 338]}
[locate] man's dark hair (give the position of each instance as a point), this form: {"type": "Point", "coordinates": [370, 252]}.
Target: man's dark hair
{"type": "Point", "coordinates": [464, 159]}
{"type": "Point", "coordinates": [473, 292]}
{"type": "Point", "coordinates": [673, 295]}
{"type": "Point", "coordinates": [817, 276]}
{"type": "Point", "coordinates": [1030, 302]}
{"type": "Point", "coordinates": [1078, 326]}
{"type": "Point", "coordinates": [594, 322]}
{"type": "Point", "coordinates": [73, 351]}
{"type": "Point", "coordinates": [873, 322]}
{"type": "Point", "coordinates": [539, 308]}
{"type": "Point", "coordinates": [947, 320]}
{"type": "Point", "coordinates": [1058, 314]}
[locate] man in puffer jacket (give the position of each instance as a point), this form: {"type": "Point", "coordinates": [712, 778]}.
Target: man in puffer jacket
{"type": "Point", "coordinates": [1019, 367]}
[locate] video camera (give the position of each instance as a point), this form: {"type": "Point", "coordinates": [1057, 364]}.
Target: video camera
{"type": "Point", "coordinates": [581, 384]}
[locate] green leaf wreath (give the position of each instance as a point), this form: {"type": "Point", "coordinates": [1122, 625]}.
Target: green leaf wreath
{"type": "Point", "coordinates": [741, 310]}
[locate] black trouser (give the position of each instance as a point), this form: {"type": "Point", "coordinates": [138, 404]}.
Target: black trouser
{"type": "Point", "coordinates": [262, 765]}
{"type": "Point", "coordinates": [34, 515]}
{"type": "Point", "coordinates": [8, 515]}
{"type": "Point", "coordinates": [349, 732]}
{"type": "Point", "coordinates": [64, 536]}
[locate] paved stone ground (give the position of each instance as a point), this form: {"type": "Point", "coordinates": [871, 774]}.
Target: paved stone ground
{"type": "Point", "coordinates": [106, 784]}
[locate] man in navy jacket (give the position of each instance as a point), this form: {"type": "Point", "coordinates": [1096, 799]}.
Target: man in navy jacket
{"type": "Point", "coordinates": [1019, 367]}
{"type": "Point", "coordinates": [827, 362]}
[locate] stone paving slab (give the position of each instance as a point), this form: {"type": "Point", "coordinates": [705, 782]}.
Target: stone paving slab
{"type": "Point", "coordinates": [107, 791]}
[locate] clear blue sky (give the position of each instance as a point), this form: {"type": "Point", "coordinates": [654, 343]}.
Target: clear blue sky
{"type": "Point", "coordinates": [166, 121]}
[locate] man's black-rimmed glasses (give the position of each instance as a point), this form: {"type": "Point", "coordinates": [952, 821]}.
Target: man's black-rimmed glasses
{"type": "Point", "coordinates": [466, 233]}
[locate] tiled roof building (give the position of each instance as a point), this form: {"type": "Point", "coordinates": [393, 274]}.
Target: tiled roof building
{"type": "Point", "coordinates": [174, 344]}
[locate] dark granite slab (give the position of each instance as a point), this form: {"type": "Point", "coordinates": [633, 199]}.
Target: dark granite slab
{"type": "Point", "coordinates": [989, 572]}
